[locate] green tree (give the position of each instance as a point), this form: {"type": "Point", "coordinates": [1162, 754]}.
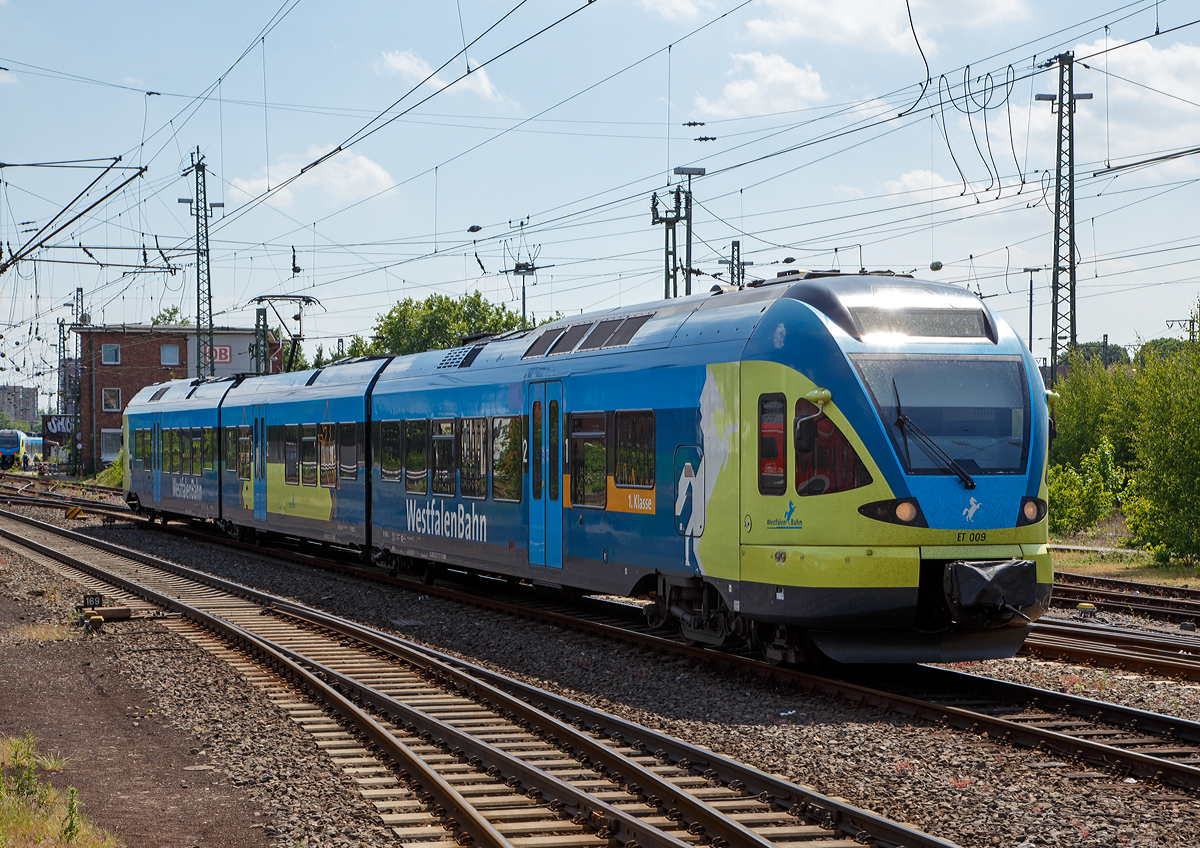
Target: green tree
{"type": "Point", "coordinates": [1113, 354]}
{"type": "Point", "coordinates": [1078, 499]}
{"type": "Point", "coordinates": [171, 315]}
{"type": "Point", "coordinates": [1096, 403]}
{"type": "Point", "coordinates": [319, 360]}
{"type": "Point", "coordinates": [438, 322]}
{"type": "Point", "coordinates": [1162, 507]}
{"type": "Point", "coordinates": [1163, 348]}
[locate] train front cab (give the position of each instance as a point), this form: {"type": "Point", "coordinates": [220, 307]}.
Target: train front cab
{"type": "Point", "coordinates": [12, 449]}
{"type": "Point", "coordinates": [858, 542]}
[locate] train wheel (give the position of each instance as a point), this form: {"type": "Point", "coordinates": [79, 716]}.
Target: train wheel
{"type": "Point", "coordinates": [429, 572]}
{"type": "Point", "coordinates": [656, 616]}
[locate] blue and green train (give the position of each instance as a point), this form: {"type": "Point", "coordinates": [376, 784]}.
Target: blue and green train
{"type": "Point", "coordinates": [848, 466]}
{"type": "Point", "coordinates": [14, 445]}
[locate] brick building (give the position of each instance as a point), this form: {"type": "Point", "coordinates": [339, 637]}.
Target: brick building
{"type": "Point", "coordinates": [116, 361]}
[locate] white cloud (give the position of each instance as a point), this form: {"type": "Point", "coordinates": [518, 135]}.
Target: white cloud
{"type": "Point", "coordinates": [133, 81]}
{"type": "Point", "coordinates": [6, 77]}
{"type": "Point", "coordinates": [346, 177]}
{"type": "Point", "coordinates": [413, 69]}
{"type": "Point", "coordinates": [880, 23]}
{"type": "Point", "coordinates": [677, 10]}
{"type": "Point", "coordinates": [775, 85]}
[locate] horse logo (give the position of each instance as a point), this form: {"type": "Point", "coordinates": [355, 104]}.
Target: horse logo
{"type": "Point", "coordinates": [969, 512]}
{"type": "Point", "coordinates": [787, 516]}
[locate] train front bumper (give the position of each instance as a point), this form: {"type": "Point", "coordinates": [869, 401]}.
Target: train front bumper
{"type": "Point", "coordinates": [890, 604]}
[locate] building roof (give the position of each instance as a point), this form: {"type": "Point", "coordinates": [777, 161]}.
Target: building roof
{"type": "Point", "coordinates": [177, 329]}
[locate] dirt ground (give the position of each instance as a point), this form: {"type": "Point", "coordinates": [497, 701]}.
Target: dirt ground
{"type": "Point", "coordinates": [131, 768]}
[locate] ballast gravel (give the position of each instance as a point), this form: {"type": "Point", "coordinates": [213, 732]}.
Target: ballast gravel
{"type": "Point", "coordinates": [951, 783]}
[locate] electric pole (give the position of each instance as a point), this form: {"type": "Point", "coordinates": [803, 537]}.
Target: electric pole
{"type": "Point", "coordinates": [737, 268]}
{"type": "Point", "coordinates": [262, 356]}
{"type": "Point", "coordinates": [1180, 323]}
{"type": "Point", "coordinates": [206, 366]}
{"type": "Point", "coordinates": [1062, 309]}
{"type": "Point", "coordinates": [669, 217]}
{"type": "Point", "coordinates": [687, 214]}
{"type": "Point", "coordinates": [1031, 272]}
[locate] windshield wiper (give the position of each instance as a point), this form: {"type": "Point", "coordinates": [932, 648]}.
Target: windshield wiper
{"type": "Point", "coordinates": [904, 423]}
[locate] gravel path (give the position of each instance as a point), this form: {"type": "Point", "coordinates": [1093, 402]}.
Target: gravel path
{"type": "Point", "coordinates": [951, 783]}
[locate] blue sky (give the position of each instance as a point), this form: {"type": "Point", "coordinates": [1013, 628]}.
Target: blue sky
{"type": "Point", "coordinates": [554, 147]}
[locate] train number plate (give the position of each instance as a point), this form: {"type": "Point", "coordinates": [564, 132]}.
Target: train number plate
{"type": "Point", "coordinates": [93, 601]}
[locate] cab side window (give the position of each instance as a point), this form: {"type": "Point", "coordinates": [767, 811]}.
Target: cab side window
{"type": "Point", "coordinates": [826, 462]}
{"type": "Point", "coordinates": [772, 444]}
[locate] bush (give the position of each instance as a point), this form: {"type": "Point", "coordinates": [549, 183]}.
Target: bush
{"type": "Point", "coordinates": [1163, 506]}
{"type": "Point", "coordinates": [1096, 403]}
{"type": "Point", "coordinates": [114, 474]}
{"type": "Point", "coordinates": [1078, 499]}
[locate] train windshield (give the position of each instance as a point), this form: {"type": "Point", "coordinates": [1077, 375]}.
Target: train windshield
{"type": "Point", "coordinates": [975, 409]}
{"type": "Point", "coordinates": [9, 441]}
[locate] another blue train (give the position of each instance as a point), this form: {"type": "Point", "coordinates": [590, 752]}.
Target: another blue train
{"type": "Point", "coordinates": [847, 466]}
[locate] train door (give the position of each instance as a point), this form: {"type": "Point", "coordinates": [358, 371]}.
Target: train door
{"type": "Point", "coordinates": [545, 474]}
{"type": "Point", "coordinates": [259, 454]}
{"type": "Point", "coordinates": [156, 457]}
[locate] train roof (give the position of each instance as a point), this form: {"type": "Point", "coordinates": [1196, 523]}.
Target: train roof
{"type": "Point", "coordinates": [725, 313]}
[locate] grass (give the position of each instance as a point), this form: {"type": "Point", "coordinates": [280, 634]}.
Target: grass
{"type": "Point", "coordinates": [32, 812]}
{"type": "Point", "coordinates": [44, 632]}
{"type": "Point", "coordinates": [1124, 564]}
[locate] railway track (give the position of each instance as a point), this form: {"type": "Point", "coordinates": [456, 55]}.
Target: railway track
{"type": "Point", "coordinates": [1170, 603]}
{"type": "Point", "coordinates": [477, 758]}
{"type": "Point", "coordinates": [1116, 739]}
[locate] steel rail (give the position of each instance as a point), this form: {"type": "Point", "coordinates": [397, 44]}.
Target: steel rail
{"type": "Point", "coordinates": [446, 795]}
{"type": "Point", "coordinates": [853, 821]}
{"type": "Point", "coordinates": [717, 826]}
{"type": "Point", "coordinates": [1129, 762]}
{"type": "Point", "coordinates": [1066, 578]}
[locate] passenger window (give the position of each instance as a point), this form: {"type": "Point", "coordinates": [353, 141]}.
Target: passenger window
{"type": "Point", "coordinates": [555, 476]}
{"type": "Point", "coordinates": [473, 450]}
{"type": "Point", "coordinates": [291, 454]}
{"type": "Point", "coordinates": [391, 451]}
{"type": "Point", "coordinates": [506, 459]}
{"type": "Point", "coordinates": [308, 455]}
{"type": "Point", "coordinates": [443, 458]}
{"type": "Point", "coordinates": [176, 451]}
{"type": "Point", "coordinates": [328, 443]}
{"type": "Point", "coordinates": [635, 449]}
{"type": "Point", "coordinates": [535, 444]}
{"type": "Point", "coordinates": [197, 456]}
{"type": "Point", "coordinates": [137, 445]}
{"type": "Point", "coordinates": [231, 449]}
{"type": "Point", "coordinates": [208, 449]}
{"type": "Point", "coordinates": [416, 456]}
{"type": "Point", "coordinates": [348, 451]}
{"type": "Point", "coordinates": [826, 462]}
{"type": "Point", "coordinates": [589, 458]}
{"type": "Point", "coordinates": [244, 453]}
{"type": "Point", "coordinates": [772, 447]}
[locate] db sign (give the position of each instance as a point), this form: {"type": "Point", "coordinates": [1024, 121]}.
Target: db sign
{"type": "Point", "coordinates": [222, 354]}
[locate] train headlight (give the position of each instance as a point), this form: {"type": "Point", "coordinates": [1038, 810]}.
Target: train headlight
{"type": "Point", "coordinates": [903, 511]}
{"type": "Point", "coordinates": [1032, 511]}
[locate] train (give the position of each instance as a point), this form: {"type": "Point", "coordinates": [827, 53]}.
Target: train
{"type": "Point", "coordinates": [815, 467]}
{"type": "Point", "coordinates": [14, 445]}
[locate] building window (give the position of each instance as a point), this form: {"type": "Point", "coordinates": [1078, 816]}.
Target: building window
{"type": "Point", "coordinates": [110, 445]}
{"type": "Point", "coordinates": [473, 451]}
{"type": "Point", "coordinates": [348, 451]}
{"type": "Point", "coordinates": [507, 450]}
{"type": "Point", "coordinates": [111, 400]}
{"type": "Point", "coordinates": [635, 449]}
{"type": "Point", "coordinates": [110, 354]}
{"type": "Point", "coordinates": [168, 354]}
{"type": "Point", "coordinates": [589, 474]}
{"type": "Point", "coordinates": [391, 451]}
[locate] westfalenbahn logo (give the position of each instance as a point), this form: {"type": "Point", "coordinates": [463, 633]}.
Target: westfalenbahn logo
{"type": "Point", "coordinates": [434, 520]}
{"type": "Point", "coordinates": [787, 522]}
